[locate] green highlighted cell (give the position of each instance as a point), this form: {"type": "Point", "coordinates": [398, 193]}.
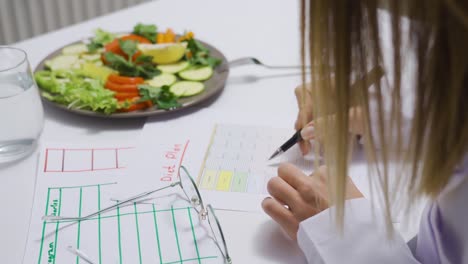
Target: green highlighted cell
{"type": "Point", "coordinates": [239, 182]}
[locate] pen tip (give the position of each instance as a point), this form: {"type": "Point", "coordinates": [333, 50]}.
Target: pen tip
{"type": "Point", "coordinates": [274, 155]}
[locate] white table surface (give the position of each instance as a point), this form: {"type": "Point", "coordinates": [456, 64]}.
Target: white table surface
{"type": "Point", "coordinates": [266, 29]}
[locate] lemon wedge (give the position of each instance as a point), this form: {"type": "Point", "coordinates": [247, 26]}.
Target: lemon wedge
{"type": "Point", "coordinates": [164, 53]}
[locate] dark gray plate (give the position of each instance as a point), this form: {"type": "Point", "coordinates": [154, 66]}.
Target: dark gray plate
{"type": "Point", "coordinates": [213, 87]}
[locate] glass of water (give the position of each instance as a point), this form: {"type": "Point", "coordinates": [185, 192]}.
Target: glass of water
{"type": "Point", "coordinates": [21, 112]}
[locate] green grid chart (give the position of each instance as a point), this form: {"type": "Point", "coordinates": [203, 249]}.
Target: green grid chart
{"type": "Point", "coordinates": [134, 233]}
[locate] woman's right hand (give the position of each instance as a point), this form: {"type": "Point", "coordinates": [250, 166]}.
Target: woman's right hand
{"type": "Point", "coordinates": [304, 117]}
{"type": "Point", "coordinates": [305, 120]}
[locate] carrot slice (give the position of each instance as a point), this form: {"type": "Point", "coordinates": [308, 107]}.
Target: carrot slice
{"type": "Point", "coordinates": [121, 88]}
{"type": "Point", "coordinates": [125, 96]}
{"type": "Point", "coordinates": [114, 47]}
{"type": "Point", "coordinates": [149, 103]}
{"type": "Point", "coordinates": [124, 79]}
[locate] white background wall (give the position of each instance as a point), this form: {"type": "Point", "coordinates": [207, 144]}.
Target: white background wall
{"type": "Point", "coordinates": [22, 19]}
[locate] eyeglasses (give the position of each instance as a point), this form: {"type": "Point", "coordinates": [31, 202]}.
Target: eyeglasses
{"type": "Point", "coordinates": [192, 193]}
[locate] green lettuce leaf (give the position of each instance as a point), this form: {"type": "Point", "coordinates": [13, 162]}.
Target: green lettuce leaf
{"type": "Point", "coordinates": [76, 91]}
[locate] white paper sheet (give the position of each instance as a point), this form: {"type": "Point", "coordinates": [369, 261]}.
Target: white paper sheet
{"type": "Point", "coordinates": [79, 179]}
{"type": "Point", "coordinates": [228, 161]}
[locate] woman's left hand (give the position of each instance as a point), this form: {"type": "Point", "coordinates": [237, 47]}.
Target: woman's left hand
{"type": "Point", "coordinates": [296, 196]}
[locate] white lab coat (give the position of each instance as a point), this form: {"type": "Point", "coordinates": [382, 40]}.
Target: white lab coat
{"type": "Point", "coordinates": [442, 237]}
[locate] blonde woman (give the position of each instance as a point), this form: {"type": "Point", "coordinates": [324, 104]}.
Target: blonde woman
{"type": "Point", "coordinates": [412, 124]}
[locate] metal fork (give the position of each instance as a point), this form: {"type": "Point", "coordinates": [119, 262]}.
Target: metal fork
{"type": "Point", "coordinates": [252, 60]}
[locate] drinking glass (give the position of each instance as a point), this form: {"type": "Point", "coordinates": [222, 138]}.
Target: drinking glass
{"type": "Point", "coordinates": [21, 112]}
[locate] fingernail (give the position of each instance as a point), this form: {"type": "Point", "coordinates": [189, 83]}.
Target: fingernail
{"type": "Point", "coordinates": [307, 132]}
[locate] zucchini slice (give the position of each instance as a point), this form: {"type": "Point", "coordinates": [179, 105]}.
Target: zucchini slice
{"type": "Point", "coordinates": [91, 57]}
{"type": "Point", "coordinates": [62, 62]}
{"type": "Point", "coordinates": [162, 79]}
{"type": "Point", "coordinates": [198, 74]}
{"type": "Point", "coordinates": [75, 49]}
{"type": "Point", "coordinates": [187, 88]}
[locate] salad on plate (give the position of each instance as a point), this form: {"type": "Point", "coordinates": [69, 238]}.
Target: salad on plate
{"type": "Point", "coordinates": [113, 73]}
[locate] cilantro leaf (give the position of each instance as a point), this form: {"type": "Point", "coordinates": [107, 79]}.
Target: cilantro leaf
{"type": "Point", "coordinates": [167, 99]}
{"type": "Point", "coordinates": [94, 46]}
{"type": "Point", "coordinates": [146, 92]}
{"type": "Point", "coordinates": [142, 67]}
{"type": "Point", "coordinates": [200, 54]}
{"type": "Point", "coordinates": [146, 31]}
{"type": "Point", "coordinates": [144, 59]}
{"type": "Point", "coordinates": [103, 37]}
{"type": "Point", "coordinates": [213, 62]}
{"type": "Point", "coordinates": [160, 96]}
{"type": "Point", "coordinates": [119, 63]}
{"type": "Point", "coordinates": [129, 47]}
{"type": "Point", "coordinates": [147, 71]}
{"type": "Point", "coordinates": [199, 46]}
{"type": "Point", "coordinates": [145, 66]}
{"type": "Point", "coordinates": [100, 39]}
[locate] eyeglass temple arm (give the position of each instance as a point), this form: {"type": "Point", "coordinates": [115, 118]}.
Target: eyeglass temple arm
{"type": "Point", "coordinates": [80, 254]}
{"type": "Point", "coordinates": [133, 198]}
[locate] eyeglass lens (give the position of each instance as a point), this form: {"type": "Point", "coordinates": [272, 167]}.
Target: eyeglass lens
{"type": "Point", "coordinates": [190, 189]}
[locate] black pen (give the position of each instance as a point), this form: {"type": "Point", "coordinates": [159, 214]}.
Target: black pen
{"type": "Point", "coordinates": [288, 144]}
{"type": "Point", "coordinates": [373, 76]}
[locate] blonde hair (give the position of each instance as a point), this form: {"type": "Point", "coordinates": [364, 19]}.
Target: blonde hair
{"type": "Point", "coordinates": [342, 40]}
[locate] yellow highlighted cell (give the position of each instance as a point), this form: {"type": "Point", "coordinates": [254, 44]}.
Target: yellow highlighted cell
{"type": "Point", "coordinates": [209, 179]}
{"type": "Point", "coordinates": [224, 181]}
